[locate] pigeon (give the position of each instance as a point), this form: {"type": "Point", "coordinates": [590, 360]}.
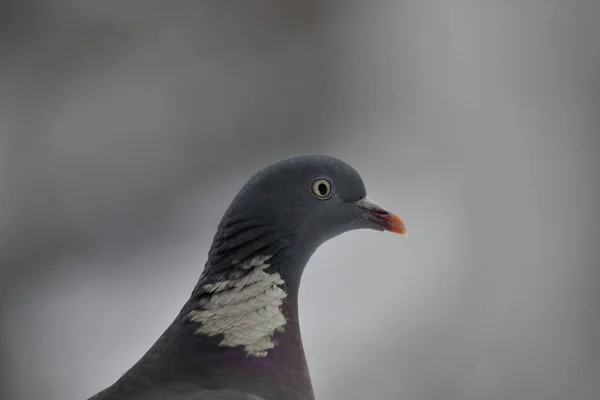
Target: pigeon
{"type": "Point", "coordinates": [238, 335]}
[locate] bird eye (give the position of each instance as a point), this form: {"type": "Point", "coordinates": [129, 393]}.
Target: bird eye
{"type": "Point", "coordinates": [321, 188]}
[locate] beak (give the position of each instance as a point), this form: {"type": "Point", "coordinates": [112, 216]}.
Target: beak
{"type": "Point", "coordinates": [387, 220]}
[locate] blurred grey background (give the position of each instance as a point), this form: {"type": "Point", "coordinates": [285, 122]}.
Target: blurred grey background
{"type": "Point", "coordinates": [127, 127]}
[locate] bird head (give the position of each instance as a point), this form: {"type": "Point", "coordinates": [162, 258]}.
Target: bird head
{"type": "Point", "coordinates": [309, 200]}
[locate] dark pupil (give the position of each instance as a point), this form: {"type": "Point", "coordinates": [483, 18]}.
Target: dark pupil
{"type": "Point", "coordinates": [322, 189]}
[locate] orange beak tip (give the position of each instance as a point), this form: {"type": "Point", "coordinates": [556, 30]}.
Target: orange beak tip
{"type": "Point", "coordinates": [398, 226]}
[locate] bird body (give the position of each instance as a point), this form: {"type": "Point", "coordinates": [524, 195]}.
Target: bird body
{"type": "Point", "coordinates": [238, 335]}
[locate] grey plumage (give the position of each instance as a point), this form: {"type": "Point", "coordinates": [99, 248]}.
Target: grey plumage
{"type": "Point", "coordinates": [238, 336]}
{"type": "Point", "coordinates": [197, 394]}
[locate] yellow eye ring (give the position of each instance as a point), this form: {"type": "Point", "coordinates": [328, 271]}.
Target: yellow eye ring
{"type": "Point", "coordinates": [321, 188]}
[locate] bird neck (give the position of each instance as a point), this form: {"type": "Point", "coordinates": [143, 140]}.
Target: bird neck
{"type": "Point", "coordinates": [248, 291]}
{"type": "Point", "coordinates": [250, 305]}
{"type": "Point", "coordinates": [244, 305]}
{"type": "Point", "coordinates": [244, 322]}
{"type": "Point", "coordinates": [240, 327]}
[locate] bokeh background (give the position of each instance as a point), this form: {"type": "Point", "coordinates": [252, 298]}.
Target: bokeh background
{"type": "Point", "coordinates": [127, 127]}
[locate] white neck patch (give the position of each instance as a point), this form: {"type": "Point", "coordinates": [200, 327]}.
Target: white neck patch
{"type": "Point", "coordinates": [246, 310]}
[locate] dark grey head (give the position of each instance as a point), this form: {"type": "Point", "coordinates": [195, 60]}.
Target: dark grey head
{"type": "Point", "coordinates": [305, 201]}
{"type": "Point", "coordinates": [311, 198]}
